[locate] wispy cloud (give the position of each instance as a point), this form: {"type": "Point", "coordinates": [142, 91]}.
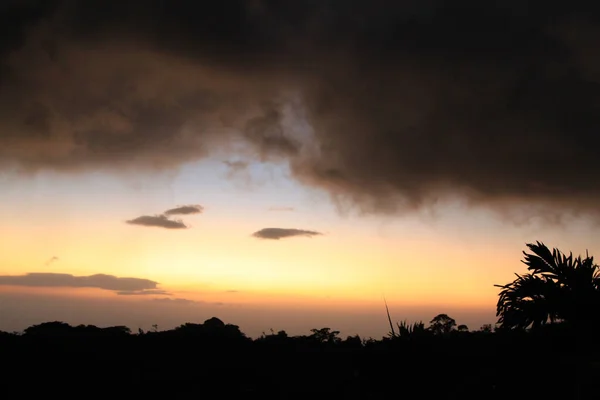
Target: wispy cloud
{"type": "Point", "coordinates": [143, 292]}
{"type": "Point", "coordinates": [176, 300]}
{"type": "Point", "coordinates": [185, 210]}
{"type": "Point", "coordinates": [119, 285]}
{"type": "Point", "coordinates": [281, 208]}
{"type": "Point", "coordinates": [160, 221]}
{"type": "Point", "coordinates": [236, 166]}
{"type": "Point", "coordinates": [281, 233]}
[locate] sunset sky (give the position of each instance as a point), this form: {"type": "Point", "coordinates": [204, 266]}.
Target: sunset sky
{"type": "Point", "coordinates": [403, 157]}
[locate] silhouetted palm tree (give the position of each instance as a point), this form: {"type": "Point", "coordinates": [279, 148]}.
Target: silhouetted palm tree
{"type": "Point", "coordinates": [558, 288]}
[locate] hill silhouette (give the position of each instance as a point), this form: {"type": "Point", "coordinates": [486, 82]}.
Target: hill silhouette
{"type": "Point", "coordinates": [555, 357]}
{"type": "Point", "coordinates": [217, 358]}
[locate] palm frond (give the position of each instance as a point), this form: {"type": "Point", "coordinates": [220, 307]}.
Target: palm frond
{"type": "Point", "coordinates": [557, 287]}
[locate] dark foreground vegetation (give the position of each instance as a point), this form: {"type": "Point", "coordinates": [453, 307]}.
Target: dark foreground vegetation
{"type": "Point", "coordinates": [544, 347]}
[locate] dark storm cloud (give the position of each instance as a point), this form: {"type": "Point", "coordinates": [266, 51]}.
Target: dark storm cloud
{"type": "Point", "coordinates": [185, 210]}
{"type": "Point", "coordinates": [281, 233]}
{"type": "Point", "coordinates": [387, 105]}
{"type": "Point", "coordinates": [99, 281]}
{"type": "Point", "coordinates": [160, 221]}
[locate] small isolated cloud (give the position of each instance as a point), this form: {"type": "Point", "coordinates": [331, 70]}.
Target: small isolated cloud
{"type": "Point", "coordinates": [99, 281]}
{"type": "Point", "coordinates": [160, 221]}
{"type": "Point", "coordinates": [281, 209]}
{"type": "Point", "coordinates": [185, 210]}
{"type": "Point", "coordinates": [51, 260]}
{"type": "Point", "coordinates": [281, 233]}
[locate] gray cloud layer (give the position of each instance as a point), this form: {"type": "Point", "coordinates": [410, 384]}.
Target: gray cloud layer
{"type": "Point", "coordinates": [100, 281]}
{"type": "Point", "coordinates": [282, 233]}
{"type": "Point", "coordinates": [388, 106]}
{"type": "Point", "coordinates": [160, 221]}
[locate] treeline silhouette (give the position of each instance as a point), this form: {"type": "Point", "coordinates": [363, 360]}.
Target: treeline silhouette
{"type": "Point", "coordinates": [524, 356]}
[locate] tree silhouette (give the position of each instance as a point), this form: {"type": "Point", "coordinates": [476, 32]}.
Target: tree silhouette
{"type": "Point", "coordinates": [558, 288]}
{"type": "Point", "coordinates": [211, 328]}
{"type": "Point", "coordinates": [442, 324]}
{"type": "Point", "coordinates": [49, 329]}
{"type": "Point", "coordinates": [325, 335]}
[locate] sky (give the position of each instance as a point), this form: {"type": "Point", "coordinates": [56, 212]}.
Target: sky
{"type": "Point", "coordinates": [287, 165]}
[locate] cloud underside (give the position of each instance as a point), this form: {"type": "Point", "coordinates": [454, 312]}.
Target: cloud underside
{"type": "Point", "coordinates": [160, 221]}
{"type": "Point", "coordinates": [282, 233]}
{"type": "Point", "coordinates": [119, 285]}
{"type": "Point", "coordinates": [388, 107]}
